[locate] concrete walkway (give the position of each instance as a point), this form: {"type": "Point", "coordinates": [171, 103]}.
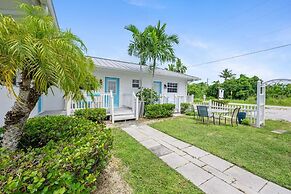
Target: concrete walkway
{"type": "Point", "coordinates": [208, 172]}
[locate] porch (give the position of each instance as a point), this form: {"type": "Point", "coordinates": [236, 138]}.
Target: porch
{"type": "Point", "coordinates": [129, 108]}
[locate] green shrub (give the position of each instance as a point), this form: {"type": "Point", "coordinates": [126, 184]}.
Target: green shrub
{"type": "Point", "coordinates": [159, 110]}
{"type": "Point", "coordinates": [189, 113]}
{"type": "Point", "coordinates": [245, 122]}
{"type": "Point", "coordinates": [93, 114]}
{"type": "Point", "coordinates": [184, 107]}
{"type": "Point", "coordinates": [62, 154]}
{"type": "Point", "coordinates": [148, 95]}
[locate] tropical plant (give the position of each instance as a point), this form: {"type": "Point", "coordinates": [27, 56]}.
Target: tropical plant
{"type": "Point", "coordinates": [137, 46]}
{"type": "Point", "coordinates": [226, 74]}
{"type": "Point", "coordinates": [178, 67]}
{"type": "Point", "coordinates": [149, 96]}
{"type": "Point", "coordinates": [171, 67]}
{"type": "Point", "coordinates": [160, 46]}
{"type": "Point", "coordinates": [41, 56]}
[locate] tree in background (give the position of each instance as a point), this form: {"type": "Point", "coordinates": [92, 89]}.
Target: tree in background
{"type": "Point", "coordinates": [177, 67]}
{"type": "Point", "coordinates": [226, 74]}
{"type": "Point", "coordinates": [43, 56]}
{"type": "Point", "coordinates": [212, 90]}
{"type": "Point", "coordinates": [197, 89]}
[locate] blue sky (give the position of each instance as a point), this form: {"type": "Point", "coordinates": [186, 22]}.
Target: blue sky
{"type": "Point", "coordinates": [208, 30]}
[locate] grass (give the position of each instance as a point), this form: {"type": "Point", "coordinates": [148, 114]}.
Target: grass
{"type": "Point", "coordinates": [145, 172]}
{"type": "Point", "coordinates": [255, 149]}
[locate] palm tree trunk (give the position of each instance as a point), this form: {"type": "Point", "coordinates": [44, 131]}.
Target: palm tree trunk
{"type": "Point", "coordinates": [153, 75]}
{"type": "Point", "coordinates": [18, 115]}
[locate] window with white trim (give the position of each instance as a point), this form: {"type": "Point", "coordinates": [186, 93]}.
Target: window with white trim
{"type": "Point", "coordinates": [135, 83]}
{"type": "Point", "coordinates": [172, 87]}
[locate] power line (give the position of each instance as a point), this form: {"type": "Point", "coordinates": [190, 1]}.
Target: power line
{"type": "Point", "coordinates": [242, 55]}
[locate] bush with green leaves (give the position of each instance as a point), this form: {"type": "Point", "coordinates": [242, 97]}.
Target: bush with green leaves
{"type": "Point", "coordinates": [246, 122]}
{"type": "Point", "coordinates": [57, 154]}
{"type": "Point", "coordinates": [148, 95]}
{"type": "Point", "coordinates": [159, 110]}
{"type": "Point", "coordinates": [184, 107]}
{"type": "Point", "coordinates": [93, 114]}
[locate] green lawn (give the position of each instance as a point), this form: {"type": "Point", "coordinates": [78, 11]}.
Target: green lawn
{"type": "Point", "coordinates": [145, 172]}
{"type": "Point", "coordinates": [255, 149]}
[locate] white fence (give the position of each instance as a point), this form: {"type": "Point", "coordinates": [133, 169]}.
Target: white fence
{"type": "Point", "coordinates": [178, 99]}
{"type": "Point", "coordinates": [249, 109]}
{"type": "Point", "coordinates": [102, 100]}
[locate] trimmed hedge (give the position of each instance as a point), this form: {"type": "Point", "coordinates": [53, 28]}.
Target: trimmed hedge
{"type": "Point", "coordinates": [58, 154]}
{"type": "Point", "coordinates": [93, 114]}
{"type": "Point", "coordinates": [184, 107]}
{"type": "Point", "coordinates": [159, 110]}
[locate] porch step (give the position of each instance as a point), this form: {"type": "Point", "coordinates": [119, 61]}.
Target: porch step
{"type": "Point", "coordinates": [124, 117]}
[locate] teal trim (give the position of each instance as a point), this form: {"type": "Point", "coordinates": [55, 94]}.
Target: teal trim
{"type": "Point", "coordinates": [160, 86]}
{"type": "Point", "coordinates": [95, 93]}
{"type": "Point", "coordinates": [39, 105]}
{"type": "Point", "coordinates": [115, 95]}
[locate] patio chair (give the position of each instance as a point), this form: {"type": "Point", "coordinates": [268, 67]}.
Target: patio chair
{"type": "Point", "coordinates": [233, 118]}
{"type": "Point", "coordinates": [203, 112]}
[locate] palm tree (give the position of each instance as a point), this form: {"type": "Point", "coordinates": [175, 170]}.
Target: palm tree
{"type": "Point", "coordinates": [178, 67]}
{"type": "Point", "coordinates": [171, 67]}
{"type": "Point", "coordinates": [43, 57]}
{"type": "Point", "coordinates": [160, 46]}
{"type": "Point", "coordinates": [137, 47]}
{"type": "Point", "coordinates": [226, 74]}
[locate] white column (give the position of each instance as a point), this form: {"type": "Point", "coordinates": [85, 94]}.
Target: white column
{"type": "Point", "coordinates": [136, 108]}
{"type": "Point", "coordinates": [259, 85]}
{"type": "Point", "coordinates": [68, 105]}
{"type": "Point", "coordinates": [112, 106]}
{"type": "Point", "coordinates": [263, 104]}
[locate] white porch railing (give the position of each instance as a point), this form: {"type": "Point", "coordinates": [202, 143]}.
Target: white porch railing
{"type": "Point", "coordinates": [249, 109]}
{"type": "Point", "coordinates": [163, 99]}
{"type": "Point", "coordinates": [103, 100]}
{"type": "Point", "coordinates": [135, 107]}
{"type": "Point", "coordinates": [178, 99]}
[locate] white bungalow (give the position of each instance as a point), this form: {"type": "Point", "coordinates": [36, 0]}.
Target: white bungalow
{"type": "Point", "coordinates": [120, 82]}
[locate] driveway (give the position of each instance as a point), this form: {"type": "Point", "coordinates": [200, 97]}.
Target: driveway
{"type": "Point", "coordinates": [278, 113]}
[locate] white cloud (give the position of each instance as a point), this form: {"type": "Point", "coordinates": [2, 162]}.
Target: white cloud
{"type": "Point", "coordinates": [145, 3]}
{"type": "Point", "coordinates": [136, 2]}
{"type": "Point", "coordinates": [195, 43]}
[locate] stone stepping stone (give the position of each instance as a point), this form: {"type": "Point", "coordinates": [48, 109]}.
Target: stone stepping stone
{"type": "Point", "coordinates": [160, 150]}
{"type": "Point", "coordinates": [279, 131]}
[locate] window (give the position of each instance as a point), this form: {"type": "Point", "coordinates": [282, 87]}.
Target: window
{"type": "Point", "coordinates": [135, 83]}
{"type": "Point", "coordinates": [172, 87]}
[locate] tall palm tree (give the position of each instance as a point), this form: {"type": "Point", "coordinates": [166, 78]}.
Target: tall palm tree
{"type": "Point", "coordinates": [171, 67]}
{"type": "Point", "coordinates": [137, 47]}
{"type": "Point", "coordinates": [160, 46]}
{"type": "Point", "coordinates": [43, 57]}
{"type": "Point", "coordinates": [178, 67]}
{"type": "Point", "coordinates": [226, 74]}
